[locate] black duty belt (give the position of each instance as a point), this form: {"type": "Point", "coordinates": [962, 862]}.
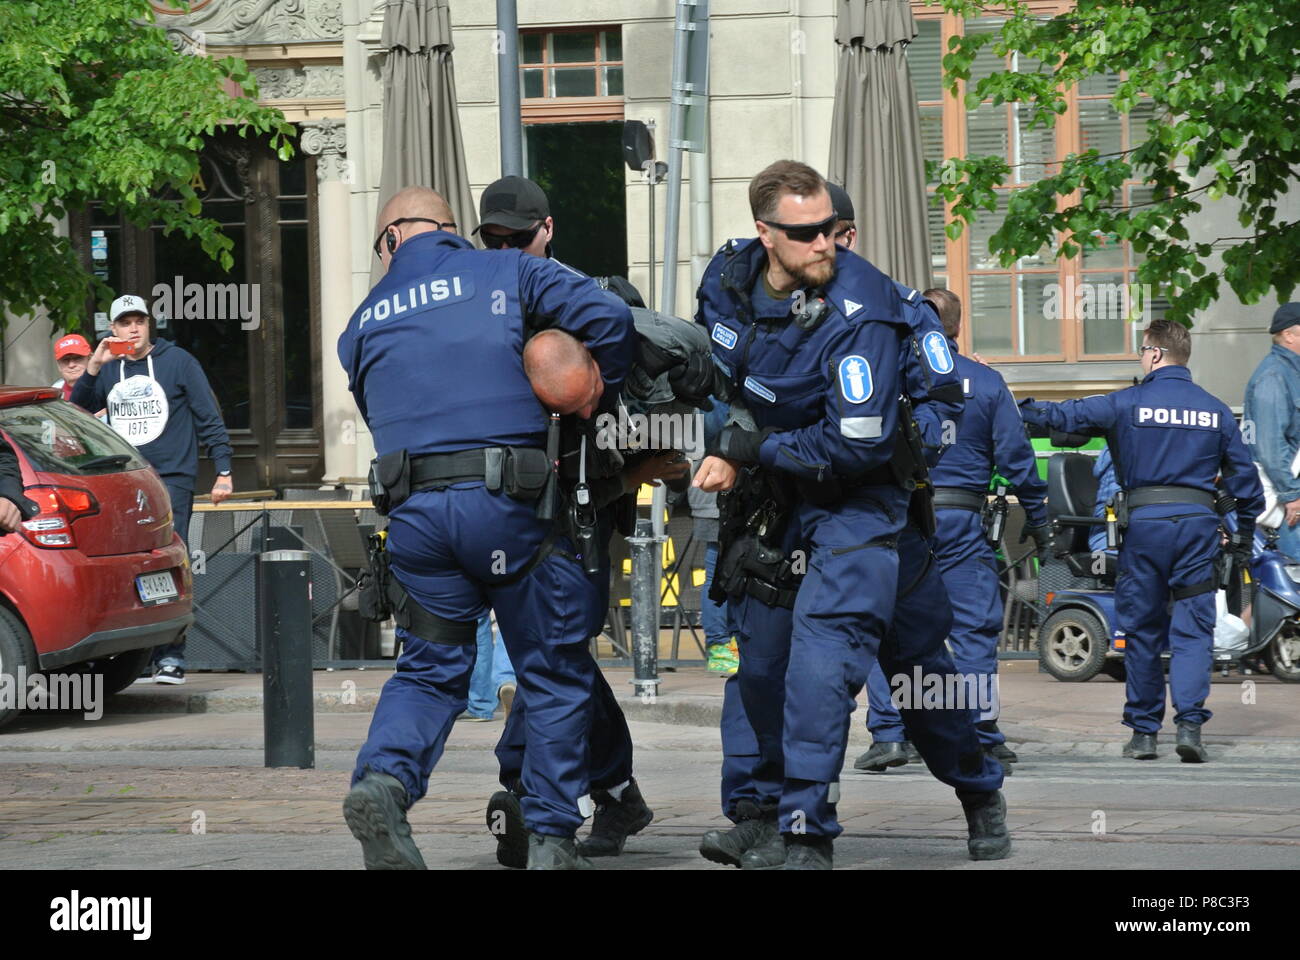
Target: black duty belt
{"type": "Point", "coordinates": [443, 469]}
{"type": "Point", "coordinates": [956, 498]}
{"type": "Point", "coordinates": [1151, 496]}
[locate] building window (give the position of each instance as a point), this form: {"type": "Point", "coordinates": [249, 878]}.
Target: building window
{"type": "Point", "coordinates": [571, 75]}
{"type": "Point", "coordinates": [1039, 308]}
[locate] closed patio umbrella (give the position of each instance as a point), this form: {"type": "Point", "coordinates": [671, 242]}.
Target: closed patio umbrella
{"type": "Point", "coordinates": [876, 152]}
{"type": "Point", "coordinates": [422, 140]}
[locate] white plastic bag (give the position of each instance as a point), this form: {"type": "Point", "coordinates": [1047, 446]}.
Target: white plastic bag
{"type": "Point", "coordinates": [1231, 635]}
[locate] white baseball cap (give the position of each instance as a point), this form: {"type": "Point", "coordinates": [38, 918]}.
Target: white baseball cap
{"type": "Point", "coordinates": [127, 303]}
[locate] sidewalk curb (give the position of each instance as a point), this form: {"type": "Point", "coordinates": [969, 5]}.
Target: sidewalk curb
{"type": "Point", "coordinates": [680, 709]}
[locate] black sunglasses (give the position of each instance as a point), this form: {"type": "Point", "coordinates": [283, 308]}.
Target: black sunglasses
{"type": "Point", "coordinates": [517, 240]}
{"type": "Point", "coordinates": [437, 223]}
{"type": "Point", "coordinates": [806, 232]}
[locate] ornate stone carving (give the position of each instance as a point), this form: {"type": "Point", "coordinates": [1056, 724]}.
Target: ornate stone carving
{"type": "Point", "coordinates": [299, 82]}
{"type": "Point", "coordinates": [327, 141]}
{"type": "Point", "coordinates": [253, 21]}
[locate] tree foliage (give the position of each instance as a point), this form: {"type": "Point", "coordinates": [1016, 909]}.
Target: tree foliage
{"type": "Point", "coordinates": [96, 104]}
{"type": "Point", "coordinates": [1221, 78]}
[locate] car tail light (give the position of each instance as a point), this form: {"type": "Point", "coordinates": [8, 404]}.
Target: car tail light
{"type": "Point", "coordinates": [60, 508]}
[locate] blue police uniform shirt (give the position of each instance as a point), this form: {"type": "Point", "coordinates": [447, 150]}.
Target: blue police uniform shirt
{"type": "Point", "coordinates": [991, 438]}
{"type": "Point", "coordinates": [434, 352]}
{"type": "Point", "coordinates": [829, 394]}
{"type": "Point", "coordinates": [929, 375]}
{"type": "Point", "coordinates": [1166, 431]}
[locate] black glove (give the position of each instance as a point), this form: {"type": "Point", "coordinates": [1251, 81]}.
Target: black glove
{"type": "Point", "coordinates": [1042, 535]}
{"type": "Point", "coordinates": [692, 381]}
{"type": "Point", "coordinates": [653, 359]}
{"type": "Point", "coordinates": [737, 443]}
{"type": "Point", "coordinates": [1242, 543]}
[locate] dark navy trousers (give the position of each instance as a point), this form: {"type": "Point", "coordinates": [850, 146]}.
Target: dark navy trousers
{"type": "Point", "coordinates": [969, 570]}
{"type": "Point", "coordinates": [610, 741]}
{"type": "Point", "coordinates": [451, 549]}
{"type": "Point", "coordinates": [1165, 547]}
{"type": "Point", "coordinates": [872, 591]}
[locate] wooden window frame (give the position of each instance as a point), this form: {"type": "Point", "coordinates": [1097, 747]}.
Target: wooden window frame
{"type": "Point", "coordinates": [1068, 272]}
{"type": "Point", "coordinates": [548, 109]}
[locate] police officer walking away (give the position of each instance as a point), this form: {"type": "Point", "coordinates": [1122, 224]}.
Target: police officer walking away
{"type": "Point", "coordinates": [818, 344]}
{"type": "Point", "coordinates": [991, 438]}
{"type": "Point", "coordinates": [462, 474]}
{"type": "Point", "coordinates": [1169, 439]}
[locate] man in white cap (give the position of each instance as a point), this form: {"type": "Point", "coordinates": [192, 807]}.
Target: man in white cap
{"type": "Point", "coordinates": [158, 399]}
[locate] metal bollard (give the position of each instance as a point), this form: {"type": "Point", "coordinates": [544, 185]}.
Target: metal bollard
{"type": "Point", "coordinates": [284, 635]}
{"type": "Point", "coordinates": [644, 548]}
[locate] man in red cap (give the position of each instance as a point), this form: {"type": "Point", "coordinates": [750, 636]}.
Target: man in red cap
{"type": "Point", "coordinates": [71, 353]}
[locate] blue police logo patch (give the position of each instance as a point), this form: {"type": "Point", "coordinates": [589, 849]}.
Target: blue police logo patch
{"type": "Point", "coordinates": [753, 386]}
{"type": "Point", "coordinates": [855, 379]}
{"type": "Point", "coordinates": [937, 352]}
{"type": "Point", "coordinates": [724, 335]}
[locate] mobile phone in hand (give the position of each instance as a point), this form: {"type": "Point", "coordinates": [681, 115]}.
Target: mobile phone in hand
{"type": "Point", "coordinates": [120, 348]}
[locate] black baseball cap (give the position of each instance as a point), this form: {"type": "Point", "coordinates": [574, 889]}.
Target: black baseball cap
{"type": "Point", "coordinates": [513, 202]}
{"type": "Point", "coordinates": [840, 201]}
{"type": "Point", "coordinates": [1287, 315]}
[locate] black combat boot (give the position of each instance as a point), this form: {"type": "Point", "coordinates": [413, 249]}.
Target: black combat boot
{"type": "Point", "coordinates": [754, 827]}
{"type": "Point", "coordinates": [881, 756]}
{"type": "Point", "coordinates": [1189, 747]}
{"type": "Point", "coordinates": [615, 821]}
{"type": "Point", "coordinates": [806, 852]}
{"type": "Point", "coordinates": [1141, 747]}
{"type": "Point", "coordinates": [555, 853]}
{"type": "Point", "coordinates": [986, 821]}
{"type": "Point", "coordinates": [375, 811]}
{"type": "Point", "coordinates": [1001, 751]}
{"type": "Point", "coordinates": [505, 819]}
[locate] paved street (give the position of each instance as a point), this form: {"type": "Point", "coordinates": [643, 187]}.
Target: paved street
{"type": "Point", "coordinates": [187, 790]}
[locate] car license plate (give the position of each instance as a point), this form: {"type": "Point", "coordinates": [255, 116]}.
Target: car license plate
{"type": "Point", "coordinates": [156, 587]}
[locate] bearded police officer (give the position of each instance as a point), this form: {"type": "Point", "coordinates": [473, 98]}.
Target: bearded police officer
{"type": "Point", "coordinates": [1169, 440]}
{"type": "Point", "coordinates": [815, 343]}
{"type": "Point", "coordinates": [462, 470]}
{"type": "Point", "coordinates": [991, 439]}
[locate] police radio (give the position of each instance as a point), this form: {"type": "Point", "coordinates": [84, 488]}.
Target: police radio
{"type": "Point", "coordinates": [582, 517]}
{"type": "Point", "coordinates": [810, 309]}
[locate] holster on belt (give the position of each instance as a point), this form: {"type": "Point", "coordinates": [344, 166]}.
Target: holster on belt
{"type": "Point", "coordinates": [752, 520]}
{"type": "Point", "coordinates": [372, 586]}
{"type": "Point", "coordinates": [390, 481]}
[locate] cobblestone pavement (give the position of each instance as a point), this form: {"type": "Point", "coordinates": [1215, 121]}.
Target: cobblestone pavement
{"type": "Point", "coordinates": [188, 790]}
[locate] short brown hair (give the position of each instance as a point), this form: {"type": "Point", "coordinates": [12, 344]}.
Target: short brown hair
{"type": "Point", "coordinates": [948, 305]}
{"type": "Point", "coordinates": [1173, 338]}
{"type": "Point", "coordinates": [779, 179]}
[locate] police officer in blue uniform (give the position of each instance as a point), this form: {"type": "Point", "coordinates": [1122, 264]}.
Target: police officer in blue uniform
{"type": "Point", "coordinates": [991, 438]}
{"type": "Point", "coordinates": [464, 476]}
{"type": "Point", "coordinates": [815, 342]}
{"type": "Point", "coordinates": [1169, 440]}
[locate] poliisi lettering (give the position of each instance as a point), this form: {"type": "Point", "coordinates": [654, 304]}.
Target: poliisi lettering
{"type": "Point", "coordinates": [1173, 417]}
{"type": "Point", "coordinates": [434, 292]}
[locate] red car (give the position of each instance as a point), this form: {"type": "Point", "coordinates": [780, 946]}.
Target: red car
{"type": "Point", "coordinates": [98, 578]}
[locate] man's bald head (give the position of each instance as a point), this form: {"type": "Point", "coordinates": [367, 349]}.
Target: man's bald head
{"type": "Point", "coordinates": [407, 214]}
{"type": "Point", "coordinates": [415, 202]}
{"type": "Point", "coordinates": [563, 374]}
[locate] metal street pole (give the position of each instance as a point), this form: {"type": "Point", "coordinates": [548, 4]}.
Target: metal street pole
{"type": "Point", "coordinates": [512, 145]}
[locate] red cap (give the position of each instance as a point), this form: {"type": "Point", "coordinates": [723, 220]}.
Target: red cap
{"type": "Point", "coordinates": [73, 343]}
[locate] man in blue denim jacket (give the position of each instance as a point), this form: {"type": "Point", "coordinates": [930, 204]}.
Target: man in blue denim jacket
{"type": "Point", "coordinates": [1271, 420]}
